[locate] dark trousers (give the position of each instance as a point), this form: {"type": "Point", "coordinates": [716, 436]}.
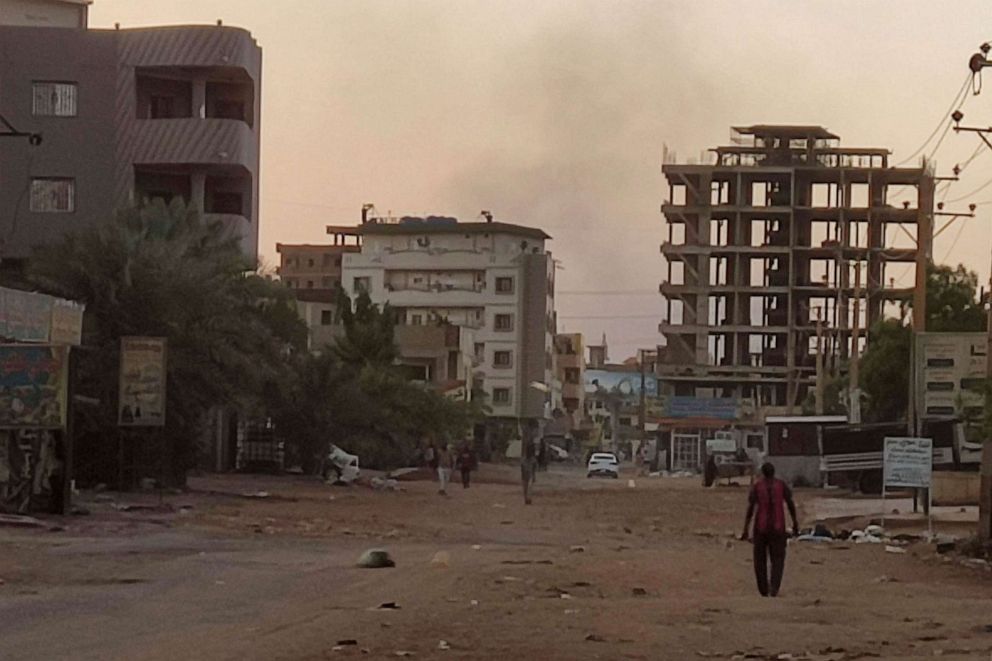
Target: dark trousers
{"type": "Point", "coordinates": [466, 477]}
{"type": "Point", "coordinates": [769, 545]}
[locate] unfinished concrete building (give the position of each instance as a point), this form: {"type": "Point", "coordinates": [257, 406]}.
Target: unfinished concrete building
{"type": "Point", "coordinates": [775, 236]}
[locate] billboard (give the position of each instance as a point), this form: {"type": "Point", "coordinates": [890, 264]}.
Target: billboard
{"type": "Point", "coordinates": [29, 317]}
{"type": "Point", "coordinates": [142, 382]}
{"type": "Point", "coordinates": [624, 384]}
{"type": "Point", "coordinates": [717, 408]}
{"type": "Point", "coordinates": [33, 380]}
{"type": "Point", "coordinates": [950, 373]}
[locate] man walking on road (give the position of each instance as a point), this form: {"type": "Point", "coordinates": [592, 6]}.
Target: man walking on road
{"type": "Point", "coordinates": [767, 499]}
{"type": "Point", "coordinates": [528, 458]}
{"type": "Point", "coordinates": [445, 461]}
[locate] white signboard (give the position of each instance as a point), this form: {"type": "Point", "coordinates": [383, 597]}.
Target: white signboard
{"type": "Point", "coordinates": [720, 445]}
{"type": "Point", "coordinates": [908, 462]}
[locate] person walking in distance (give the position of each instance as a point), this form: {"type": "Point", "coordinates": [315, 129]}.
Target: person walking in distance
{"type": "Point", "coordinates": [466, 463]}
{"type": "Point", "coordinates": [528, 458]}
{"type": "Point", "coordinates": [445, 461]}
{"type": "Point", "coordinates": [766, 503]}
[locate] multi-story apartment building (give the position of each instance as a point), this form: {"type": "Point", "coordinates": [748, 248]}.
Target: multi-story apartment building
{"type": "Point", "coordinates": [123, 114]}
{"type": "Point", "coordinates": [570, 367]}
{"type": "Point", "coordinates": [317, 266]}
{"type": "Point", "coordinates": [495, 279]}
{"type": "Point", "coordinates": [786, 232]}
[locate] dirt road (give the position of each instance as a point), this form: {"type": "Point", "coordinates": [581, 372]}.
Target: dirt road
{"type": "Point", "coordinates": [592, 570]}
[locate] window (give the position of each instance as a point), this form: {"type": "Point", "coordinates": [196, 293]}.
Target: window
{"type": "Point", "coordinates": [940, 362]}
{"type": "Point", "coordinates": [51, 195]}
{"type": "Point", "coordinates": [291, 283]}
{"type": "Point", "coordinates": [54, 99]}
{"type": "Point", "coordinates": [504, 285]}
{"type": "Point", "coordinates": [571, 375]}
{"type": "Point", "coordinates": [310, 263]}
{"type": "Point", "coordinates": [480, 350]}
{"type": "Point", "coordinates": [161, 107]}
{"type": "Point", "coordinates": [501, 396]}
{"type": "Point", "coordinates": [309, 284]}
{"type": "Point", "coordinates": [504, 322]}
{"type": "Point", "coordinates": [502, 359]}
{"type": "Point", "coordinates": [326, 317]}
{"type": "Point", "coordinates": [362, 285]}
{"type": "Point", "coordinates": [416, 320]}
{"type": "Point", "coordinates": [940, 386]}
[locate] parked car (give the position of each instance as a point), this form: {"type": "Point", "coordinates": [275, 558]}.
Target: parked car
{"type": "Point", "coordinates": [603, 464]}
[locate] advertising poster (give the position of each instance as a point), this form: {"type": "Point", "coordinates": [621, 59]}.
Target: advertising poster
{"type": "Point", "coordinates": [142, 386]}
{"type": "Point", "coordinates": [33, 380]}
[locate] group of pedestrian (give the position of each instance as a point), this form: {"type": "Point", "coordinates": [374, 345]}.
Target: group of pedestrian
{"type": "Point", "coordinates": [444, 459]}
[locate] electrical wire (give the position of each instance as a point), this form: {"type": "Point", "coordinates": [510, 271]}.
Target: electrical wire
{"type": "Point", "coordinates": [954, 243]}
{"type": "Point", "coordinates": [955, 103]}
{"type": "Point", "coordinates": [597, 292]}
{"type": "Point", "coordinates": [967, 195]}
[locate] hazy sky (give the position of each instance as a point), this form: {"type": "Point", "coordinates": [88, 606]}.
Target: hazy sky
{"type": "Point", "coordinates": [553, 114]}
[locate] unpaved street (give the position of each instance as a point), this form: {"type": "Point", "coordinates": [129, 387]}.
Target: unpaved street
{"type": "Point", "coordinates": [593, 570]}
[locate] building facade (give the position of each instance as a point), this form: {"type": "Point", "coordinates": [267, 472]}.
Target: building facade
{"type": "Point", "coordinates": [570, 368]}
{"type": "Point", "coordinates": [123, 115]}
{"type": "Point", "coordinates": [770, 252]}
{"type": "Point", "coordinates": [310, 266]}
{"type": "Point", "coordinates": [495, 280]}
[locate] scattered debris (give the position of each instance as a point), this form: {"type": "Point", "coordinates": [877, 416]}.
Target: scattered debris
{"type": "Point", "coordinates": [443, 645]}
{"type": "Point", "coordinates": [499, 506]}
{"type": "Point", "coordinates": [347, 643]}
{"type": "Point", "coordinates": [628, 530]}
{"type": "Point", "coordinates": [631, 484]}
{"type": "Point", "coordinates": [886, 579]}
{"type": "Point", "coordinates": [20, 521]}
{"type": "Point", "coordinates": [255, 494]}
{"type": "Point", "coordinates": [441, 559]}
{"type": "Point", "coordinates": [384, 484]}
{"type": "Point", "coordinates": [56, 528]}
{"type": "Point", "coordinates": [577, 549]}
{"type": "Point", "coordinates": [79, 511]}
{"type": "Point", "coordinates": [595, 638]}
{"type": "Point", "coordinates": [402, 653]}
{"type": "Point", "coordinates": [474, 602]}
{"type": "Point", "coordinates": [639, 592]}
{"type": "Point", "coordinates": [375, 559]}
{"type": "Point", "coordinates": [389, 606]}
{"type": "Point", "coordinates": [527, 562]}
{"type": "Point", "coordinates": [894, 549]}
{"type": "Point", "coordinates": [476, 547]}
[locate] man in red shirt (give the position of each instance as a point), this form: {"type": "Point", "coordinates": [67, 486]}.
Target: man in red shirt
{"type": "Point", "coordinates": [767, 499]}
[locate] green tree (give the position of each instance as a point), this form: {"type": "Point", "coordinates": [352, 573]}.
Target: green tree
{"type": "Point", "coordinates": [885, 371]}
{"type": "Point", "coordinates": [159, 270]}
{"type": "Point", "coordinates": [369, 337]}
{"type": "Point", "coordinates": [952, 300]}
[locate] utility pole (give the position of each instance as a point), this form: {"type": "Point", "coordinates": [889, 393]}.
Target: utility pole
{"type": "Point", "coordinates": [820, 377]}
{"type": "Point", "coordinates": [985, 485]}
{"type": "Point", "coordinates": [854, 387]}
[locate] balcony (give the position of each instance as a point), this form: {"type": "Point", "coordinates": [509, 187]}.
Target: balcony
{"type": "Point", "coordinates": [195, 141]}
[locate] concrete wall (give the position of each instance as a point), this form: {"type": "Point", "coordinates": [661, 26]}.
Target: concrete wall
{"type": "Point", "coordinates": [43, 13]}
{"type": "Point", "coordinates": [956, 488]}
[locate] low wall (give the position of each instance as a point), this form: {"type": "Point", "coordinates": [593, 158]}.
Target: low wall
{"type": "Point", "coordinates": [798, 467]}
{"type": "Point", "coordinates": [955, 488]}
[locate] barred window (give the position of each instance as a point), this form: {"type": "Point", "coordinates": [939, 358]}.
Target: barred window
{"type": "Point", "coordinates": [53, 195]}
{"type": "Point", "coordinates": [53, 99]}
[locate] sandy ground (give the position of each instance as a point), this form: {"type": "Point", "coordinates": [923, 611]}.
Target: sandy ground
{"type": "Point", "coordinates": [593, 570]}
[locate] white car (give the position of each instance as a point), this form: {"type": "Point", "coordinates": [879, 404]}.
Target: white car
{"type": "Point", "coordinates": [341, 466]}
{"type": "Point", "coordinates": [603, 464]}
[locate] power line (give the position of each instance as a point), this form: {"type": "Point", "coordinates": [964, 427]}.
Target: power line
{"type": "Point", "coordinates": [953, 243]}
{"type": "Point", "coordinates": [958, 99]}
{"type": "Point", "coordinates": [967, 195]}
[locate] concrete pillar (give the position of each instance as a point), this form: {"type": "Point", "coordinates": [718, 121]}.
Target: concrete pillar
{"type": "Point", "coordinates": [198, 184]}
{"type": "Point", "coordinates": [199, 98]}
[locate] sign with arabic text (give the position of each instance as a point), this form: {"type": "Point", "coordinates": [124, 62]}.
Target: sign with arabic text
{"type": "Point", "coordinates": [142, 385]}
{"type": "Point", "coordinates": [908, 462]}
